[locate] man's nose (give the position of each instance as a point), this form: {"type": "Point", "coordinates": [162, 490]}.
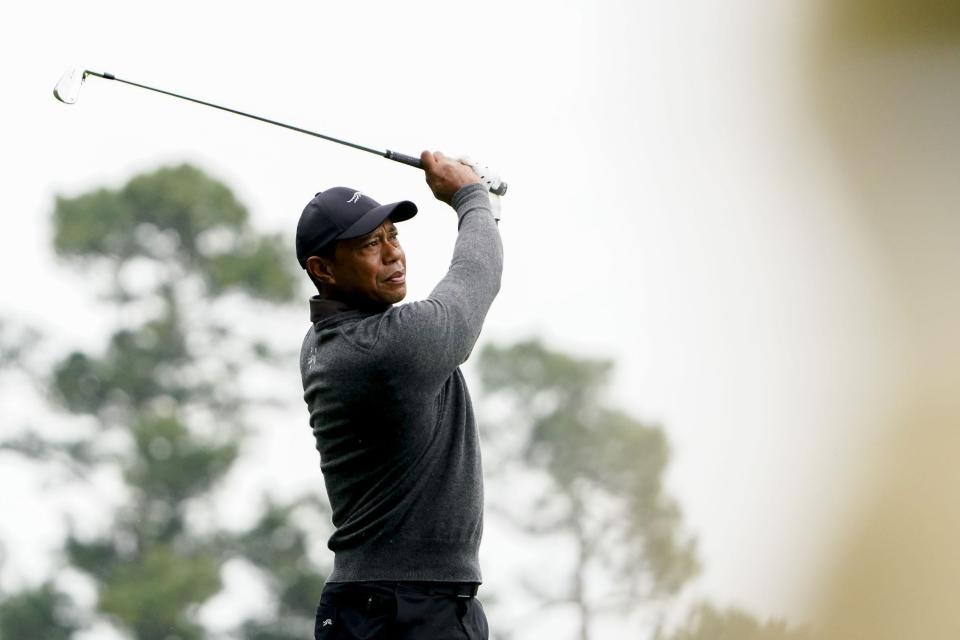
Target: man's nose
{"type": "Point", "coordinates": [391, 253]}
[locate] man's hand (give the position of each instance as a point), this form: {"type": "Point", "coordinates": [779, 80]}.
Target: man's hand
{"type": "Point", "coordinates": [445, 176]}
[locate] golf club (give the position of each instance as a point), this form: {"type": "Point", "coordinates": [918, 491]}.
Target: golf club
{"type": "Point", "coordinates": [68, 90]}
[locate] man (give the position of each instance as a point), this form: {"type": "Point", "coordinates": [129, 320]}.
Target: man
{"type": "Point", "coordinates": [391, 413]}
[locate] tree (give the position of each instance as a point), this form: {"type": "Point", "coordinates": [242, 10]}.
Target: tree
{"type": "Point", "coordinates": [41, 612]}
{"type": "Point", "coordinates": [178, 262]}
{"type": "Point", "coordinates": [601, 473]}
{"type": "Point", "coordinates": [707, 623]}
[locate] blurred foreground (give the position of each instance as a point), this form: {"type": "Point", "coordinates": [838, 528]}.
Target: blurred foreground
{"type": "Point", "coordinates": [885, 76]}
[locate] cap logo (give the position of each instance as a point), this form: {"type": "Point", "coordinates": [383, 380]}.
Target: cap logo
{"type": "Point", "coordinates": [354, 198]}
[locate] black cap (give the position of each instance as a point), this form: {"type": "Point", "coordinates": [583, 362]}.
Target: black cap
{"type": "Point", "coordinates": [340, 213]}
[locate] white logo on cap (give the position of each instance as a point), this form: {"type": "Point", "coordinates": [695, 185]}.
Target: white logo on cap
{"type": "Point", "coordinates": [354, 198]}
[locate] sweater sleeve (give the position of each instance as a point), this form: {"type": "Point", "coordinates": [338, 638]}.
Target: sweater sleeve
{"type": "Point", "coordinates": [424, 342]}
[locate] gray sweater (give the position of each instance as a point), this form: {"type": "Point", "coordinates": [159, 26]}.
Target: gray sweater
{"type": "Point", "coordinates": [393, 420]}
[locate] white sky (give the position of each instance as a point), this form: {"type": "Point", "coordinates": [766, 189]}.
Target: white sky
{"type": "Point", "coordinates": [671, 206]}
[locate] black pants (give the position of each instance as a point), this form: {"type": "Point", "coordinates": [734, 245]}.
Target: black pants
{"type": "Point", "coordinates": [399, 611]}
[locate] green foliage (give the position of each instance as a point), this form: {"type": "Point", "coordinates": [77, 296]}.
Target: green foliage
{"type": "Point", "coordinates": [75, 454]}
{"type": "Point", "coordinates": [153, 592]}
{"type": "Point", "coordinates": [277, 630]}
{"type": "Point", "coordinates": [164, 448]}
{"type": "Point", "coordinates": [185, 200]}
{"type": "Point", "coordinates": [605, 472]}
{"type": "Point", "coordinates": [15, 343]}
{"type": "Point", "coordinates": [278, 545]}
{"type": "Point", "coordinates": [97, 557]}
{"type": "Point", "coordinates": [97, 224]}
{"type": "Point", "coordinates": [182, 201]}
{"type": "Point", "coordinates": [126, 377]}
{"type": "Point", "coordinates": [77, 383]}
{"type": "Point", "coordinates": [530, 370]}
{"type": "Point", "coordinates": [153, 390]}
{"type": "Point", "coordinates": [252, 267]}
{"type": "Point", "coordinates": [182, 219]}
{"type": "Point", "coordinates": [707, 623]}
{"type": "Point", "coordinates": [37, 613]}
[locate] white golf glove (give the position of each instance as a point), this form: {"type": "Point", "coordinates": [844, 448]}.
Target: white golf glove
{"type": "Point", "coordinates": [495, 186]}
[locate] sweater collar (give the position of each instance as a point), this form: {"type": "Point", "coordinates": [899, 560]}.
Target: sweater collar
{"type": "Point", "coordinates": [323, 309]}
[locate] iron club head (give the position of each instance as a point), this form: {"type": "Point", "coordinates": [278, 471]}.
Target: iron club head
{"type": "Point", "coordinates": [68, 88]}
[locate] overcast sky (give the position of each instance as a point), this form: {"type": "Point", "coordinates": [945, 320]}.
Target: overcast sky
{"type": "Point", "coordinates": [671, 206]}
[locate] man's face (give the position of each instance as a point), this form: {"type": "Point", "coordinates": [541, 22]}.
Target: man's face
{"type": "Point", "coordinates": [369, 270]}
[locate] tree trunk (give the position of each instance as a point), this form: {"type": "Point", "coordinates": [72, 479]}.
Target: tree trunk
{"type": "Point", "coordinates": [580, 573]}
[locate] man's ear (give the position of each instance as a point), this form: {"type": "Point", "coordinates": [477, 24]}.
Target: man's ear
{"type": "Point", "coordinates": [320, 269]}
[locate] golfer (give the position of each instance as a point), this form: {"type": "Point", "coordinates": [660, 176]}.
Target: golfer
{"type": "Point", "coordinates": [391, 413]}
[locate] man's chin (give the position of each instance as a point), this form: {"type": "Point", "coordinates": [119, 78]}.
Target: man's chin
{"type": "Point", "coordinates": [394, 294]}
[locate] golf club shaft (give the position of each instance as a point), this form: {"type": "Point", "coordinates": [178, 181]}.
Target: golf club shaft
{"type": "Point", "coordinates": [391, 155]}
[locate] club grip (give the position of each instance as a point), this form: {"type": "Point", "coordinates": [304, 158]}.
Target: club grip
{"type": "Point", "coordinates": [405, 159]}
